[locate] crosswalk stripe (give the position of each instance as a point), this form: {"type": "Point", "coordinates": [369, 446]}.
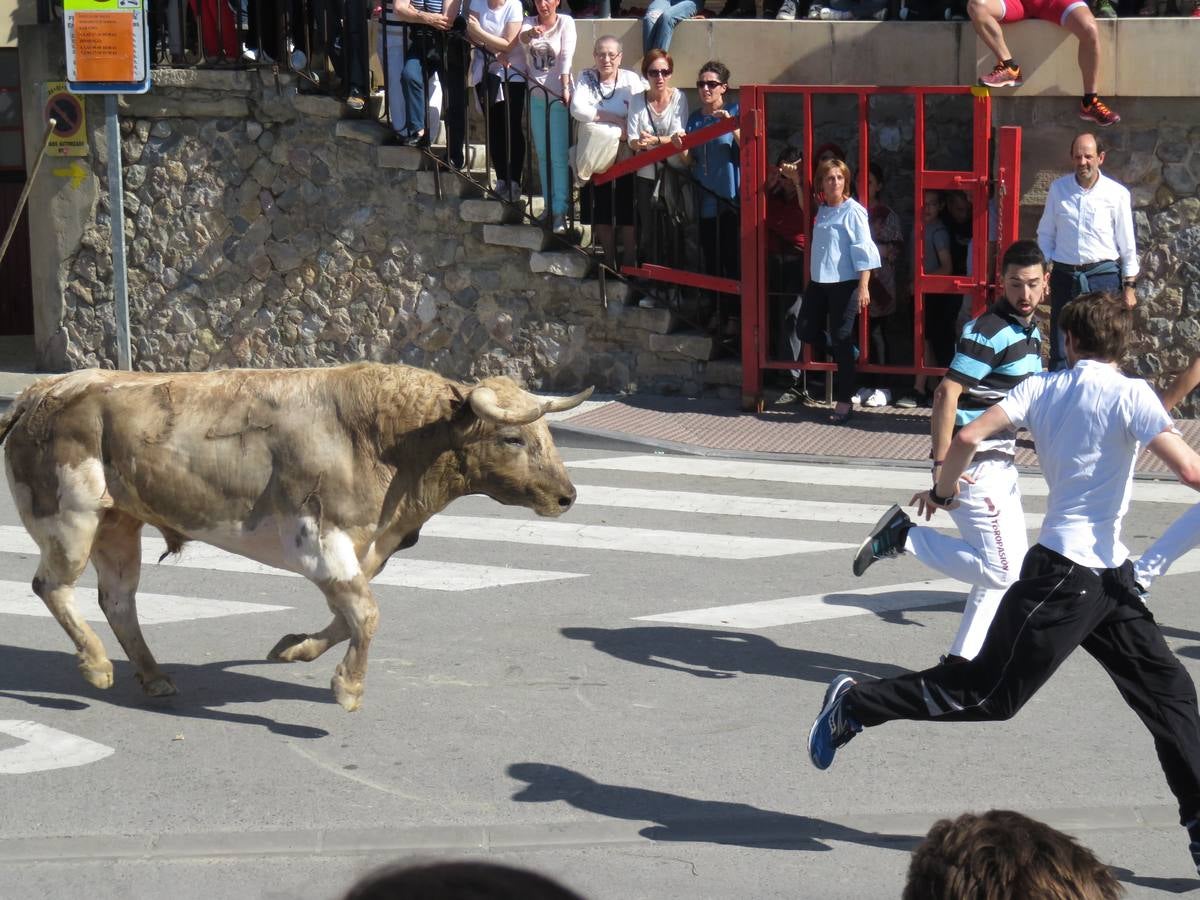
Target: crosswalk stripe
{"type": "Point", "coordinates": [896, 481]}
{"type": "Point", "coordinates": [798, 511]}
{"type": "Point", "coordinates": [842, 604]}
{"type": "Point", "coordinates": [399, 572]}
{"type": "Point", "coordinates": [628, 540]}
{"type": "Point", "coordinates": [17, 598]}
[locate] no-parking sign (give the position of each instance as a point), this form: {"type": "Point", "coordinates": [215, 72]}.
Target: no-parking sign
{"type": "Point", "coordinates": [69, 137]}
{"type": "Point", "coordinates": [107, 46]}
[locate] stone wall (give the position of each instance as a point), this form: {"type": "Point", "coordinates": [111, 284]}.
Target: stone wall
{"type": "Point", "coordinates": [255, 237]}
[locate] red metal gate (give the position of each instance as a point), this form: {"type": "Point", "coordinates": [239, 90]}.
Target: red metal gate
{"type": "Point", "coordinates": [974, 181]}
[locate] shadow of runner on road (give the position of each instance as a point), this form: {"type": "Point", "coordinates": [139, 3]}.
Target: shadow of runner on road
{"type": "Point", "coordinates": [27, 674]}
{"type": "Point", "coordinates": [688, 819]}
{"type": "Point", "coordinates": [1169, 885]}
{"type": "Point", "coordinates": [722, 654]}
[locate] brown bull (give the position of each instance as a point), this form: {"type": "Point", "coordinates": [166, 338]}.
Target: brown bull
{"type": "Point", "coordinates": [324, 472]}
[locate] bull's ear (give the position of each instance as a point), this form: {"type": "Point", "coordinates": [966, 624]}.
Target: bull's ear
{"type": "Point", "coordinates": [458, 399]}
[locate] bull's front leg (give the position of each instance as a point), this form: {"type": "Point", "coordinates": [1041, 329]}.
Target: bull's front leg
{"type": "Point", "coordinates": [356, 604]}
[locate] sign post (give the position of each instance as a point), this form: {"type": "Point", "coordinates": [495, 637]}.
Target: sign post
{"type": "Point", "coordinates": [107, 43]}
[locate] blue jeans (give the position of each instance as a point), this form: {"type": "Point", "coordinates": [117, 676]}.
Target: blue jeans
{"type": "Point", "coordinates": [660, 19]}
{"type": "Point", "coordinates": [554, 189]}
{"type": "Point", "coordinates": [1065, 286]}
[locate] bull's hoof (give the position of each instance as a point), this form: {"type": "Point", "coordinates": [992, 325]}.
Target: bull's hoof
{"type": "Point", "coordinates": [288, 649]}
{"type": "Point", "coordinates": [348, 694]}
{"type": "Point", "coordinates": [159, 686]}
{"type": "Point", "coordinates": [97, 674]}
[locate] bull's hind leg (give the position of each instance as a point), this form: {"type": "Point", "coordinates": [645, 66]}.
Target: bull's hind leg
{"type": "Point", "coordinates": [65, 541]}
{"type": "Point", "coordinates": [117, 556]}
{"type": "Point", "coordinates": [307, 647]}
{"type": "Point", "coordinates": [356, 605]}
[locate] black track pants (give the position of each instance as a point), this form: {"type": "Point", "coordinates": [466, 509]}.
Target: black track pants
{"type": "Point", "coordinates": [1057, 606]}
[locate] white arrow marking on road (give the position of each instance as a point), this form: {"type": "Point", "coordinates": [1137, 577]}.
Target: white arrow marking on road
{"type": "Point", "coordinates": [841, 604]}
{"type": "Point", "coordinates": [761, 507]}
{"type": "Point", "coordinates": [628, 540]}
{"type": "Point", "coordinates": [400, 572]}
{"type": "Point", "coordinates": [17, 598]}
{"type": "Point", "coordinates": [46, 748]}
{"type": "Point", "coordinates": [894, 480]}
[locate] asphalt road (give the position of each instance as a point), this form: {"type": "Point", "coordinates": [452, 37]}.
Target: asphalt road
{"type": "Point", "coordinates": [618, 698]}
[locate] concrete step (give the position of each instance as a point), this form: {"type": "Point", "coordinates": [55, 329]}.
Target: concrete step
{"type": "Point", "coordinates": [413, 159]}
{"type": "Point", "coordinates": [723, 372]}
{"type": "Point", "coordinates": [656, 321]}
{"type": "Point", "coordinates": [362, 130]}
{"type": "Point", "coordinates": [489, 212]}
{"type": "Point", "coordinates": [684, 344]}
{"type": "Point", "coordinates": [566, 263]}
{"type": "Point", "coordinates": [524, 237]}
{"type": "Point", "coordinates": [453, 185]}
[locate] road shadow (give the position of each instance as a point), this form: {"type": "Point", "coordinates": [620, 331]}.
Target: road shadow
{"type": "Point", "coordinates": [706, 653]}
{"type": "Point", "coordinates": [1166, 885]}
{"type": "Point", "coordinates": [688, 819]}
{"type": "Point", "coordinates": [27, 675]}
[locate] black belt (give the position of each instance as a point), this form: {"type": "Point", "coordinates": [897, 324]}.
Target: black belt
{"type": "Point", "coordinates": [1082, 267]}
{"type": "Point", "coordinates": [990, 455]}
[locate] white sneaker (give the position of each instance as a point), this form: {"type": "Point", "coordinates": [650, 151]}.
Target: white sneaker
{"type": "Point", "coordinates": [860, 397]}
{"type": "Point", "coordinates": [559, 225]}
{"type": "Point", "coordinates": [878, 397]}
{"type": "Point", "coordinates": [814, 11]}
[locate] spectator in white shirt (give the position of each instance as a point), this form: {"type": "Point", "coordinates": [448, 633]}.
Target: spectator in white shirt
{"type": "Point", "coordinates": [492, 26]}
{"type": "Point", "coordinates": [1086, 232]}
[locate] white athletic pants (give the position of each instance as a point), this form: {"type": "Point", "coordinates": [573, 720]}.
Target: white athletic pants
{"type": "Point", "coordinates": [988, 556]}
{"type": "Point", "coordinates": [1182, 535]}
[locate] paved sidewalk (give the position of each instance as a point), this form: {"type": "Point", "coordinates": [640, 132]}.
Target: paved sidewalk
{"type": "Point", "coordinates": [720, 428]}
{"type": "Point", "coordinates": [801, 432]}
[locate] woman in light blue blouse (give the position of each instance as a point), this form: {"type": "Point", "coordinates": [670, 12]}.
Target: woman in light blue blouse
{"type": "Point", "coordinates": [840, 263]}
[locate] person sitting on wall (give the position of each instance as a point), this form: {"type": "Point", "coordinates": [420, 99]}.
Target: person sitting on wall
{"type": "Point", "coordinates": [1073, 15]}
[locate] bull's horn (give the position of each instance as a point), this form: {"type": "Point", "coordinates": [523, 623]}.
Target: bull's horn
{"type": "Point", "coordinates": [562, 404]}
{"type": "Point", "coordinates": [485, 405]}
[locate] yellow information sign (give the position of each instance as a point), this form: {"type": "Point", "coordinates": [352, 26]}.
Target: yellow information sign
{"type": "Point", "coordinates": [70, 124]}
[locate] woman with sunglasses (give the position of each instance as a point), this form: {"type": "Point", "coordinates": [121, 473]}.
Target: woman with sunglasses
{"type": "Point", "coordinates": [842, 256]}
{"type": "Point", "coordinates": [605, 94]}
{"type": "Point", "coordinates": [549, 43]}
{"type": "Point", "coordinates": [655, 118]}
{"type": "Point", "coordinates": [715, 166]}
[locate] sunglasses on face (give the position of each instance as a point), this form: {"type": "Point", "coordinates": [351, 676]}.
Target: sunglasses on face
{"type": "Point", "coordinates": [659, 73]}
{"type": "Point", "coordinates": [709, 85]}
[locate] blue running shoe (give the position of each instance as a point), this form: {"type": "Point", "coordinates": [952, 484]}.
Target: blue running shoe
{"type": "Point", "coordinates": [833, 728]}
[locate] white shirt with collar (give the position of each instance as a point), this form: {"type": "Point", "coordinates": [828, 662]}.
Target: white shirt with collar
{"type": "Point", "coordinates": [1089, 423]}
{"type": "Point", "coordinates": [1085, 225]}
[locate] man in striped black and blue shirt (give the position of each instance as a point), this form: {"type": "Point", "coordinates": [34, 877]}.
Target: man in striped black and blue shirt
{"type": "Point", "coordinates": [995, 352]}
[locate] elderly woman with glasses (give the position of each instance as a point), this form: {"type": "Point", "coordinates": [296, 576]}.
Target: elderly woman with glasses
{"type": "Point", "coordinates": [842, 255]}
{"type": "Point", "coordinates": [655, 117]}
{"type": "Point", "coordinates": [605, 94]}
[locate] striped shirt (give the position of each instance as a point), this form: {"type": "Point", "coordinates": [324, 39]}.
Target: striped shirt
{"type": "Point", "coordinates": [996, 352]}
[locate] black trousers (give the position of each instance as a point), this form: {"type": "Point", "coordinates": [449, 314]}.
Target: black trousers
{"type": "Point", "coordinates": [506, 136]}
{"type": "Point", "coordinates": [832, 306]}
{"type": "Point", "coordinates": [1057, 606]}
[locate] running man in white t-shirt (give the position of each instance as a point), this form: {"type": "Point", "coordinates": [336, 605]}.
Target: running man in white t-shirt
{"type": "Point", "coordinates": [1076, 587]}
